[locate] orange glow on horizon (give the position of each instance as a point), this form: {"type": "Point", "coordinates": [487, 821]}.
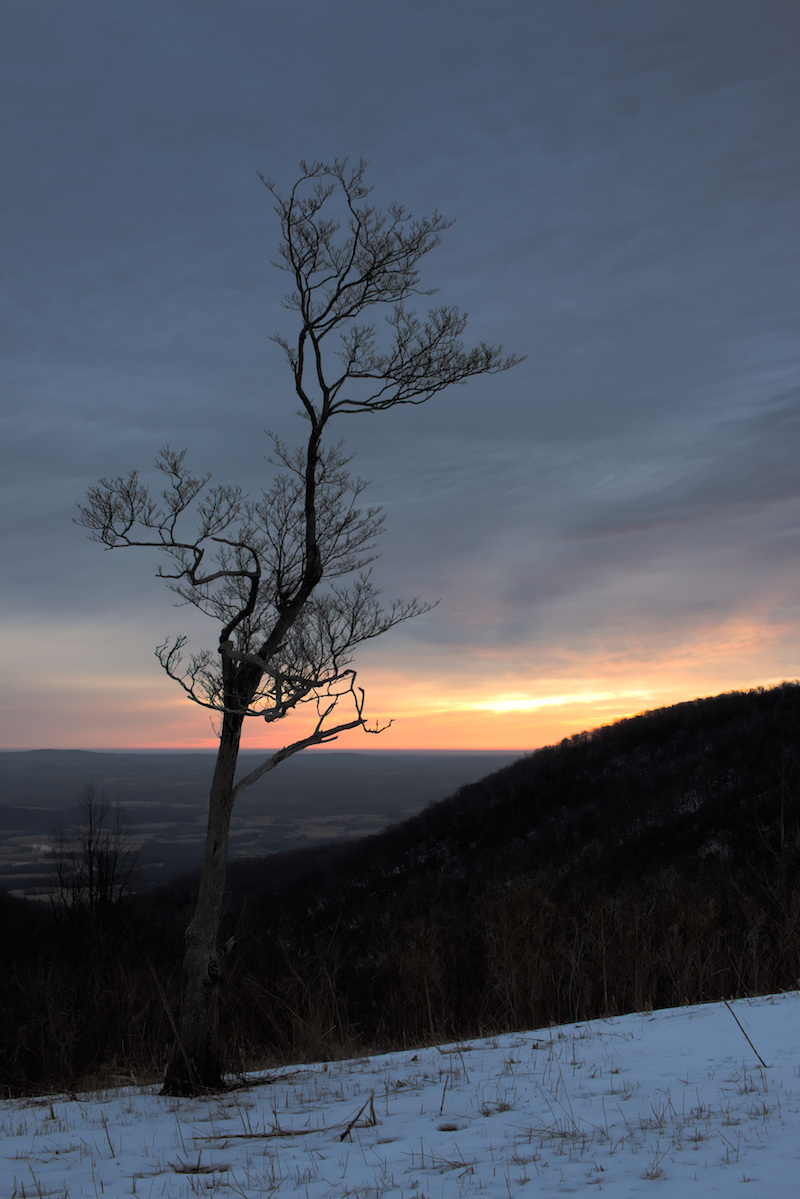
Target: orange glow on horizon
{"type": "Point", "coordinates": [455, 699]}
{"type": "Point", "coordinates": [505, 723]}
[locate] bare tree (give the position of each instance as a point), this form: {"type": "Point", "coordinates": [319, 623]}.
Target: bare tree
{"type": "Point", "coordinates": [285, 574]}
{"type": "Point", "coordinates": [94, 867]}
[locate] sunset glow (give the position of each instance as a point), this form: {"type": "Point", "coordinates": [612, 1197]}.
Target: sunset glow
{"type": "Point", "coordinates": [451, 705]}
{"type": "Point", "coordinates": [609, 527]}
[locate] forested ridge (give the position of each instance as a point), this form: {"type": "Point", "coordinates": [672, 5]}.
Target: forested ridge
{"type": "Point", "coordinates": [649, 863]}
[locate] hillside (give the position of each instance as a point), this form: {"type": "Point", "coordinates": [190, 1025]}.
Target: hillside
{"type": "Point", "coordinates": [697, 1101]}
{"type": "Point", "coordinates": [652, 863]}
{"type": "Point", "coordinates": [690, 782]}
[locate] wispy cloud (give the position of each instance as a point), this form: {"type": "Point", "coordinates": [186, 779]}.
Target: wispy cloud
{"type": "Point", "coordinates": [616, 518]}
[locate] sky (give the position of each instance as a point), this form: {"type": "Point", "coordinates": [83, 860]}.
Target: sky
{"type": "Point", "coordinates": [608, 528]}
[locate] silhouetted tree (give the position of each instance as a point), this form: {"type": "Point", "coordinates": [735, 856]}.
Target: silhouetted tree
{"type": "Point", "coordinates": [269, 569]}
{"type": "Point", "coordinates": [94, 866]}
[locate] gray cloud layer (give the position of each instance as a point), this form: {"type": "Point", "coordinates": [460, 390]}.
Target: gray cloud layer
{"type": "Point", "coordinates": [625, 182]}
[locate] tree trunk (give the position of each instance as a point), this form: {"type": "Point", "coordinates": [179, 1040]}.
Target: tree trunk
{"type": "Point", "coordinates": [196, 1065]}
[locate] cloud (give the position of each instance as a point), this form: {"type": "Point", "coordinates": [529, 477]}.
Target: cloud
{"type": "Point", "coordinates": [624, 179]}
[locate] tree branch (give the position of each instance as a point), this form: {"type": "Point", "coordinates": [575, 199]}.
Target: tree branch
{"type": "Point", "coordinates": [319, 736]}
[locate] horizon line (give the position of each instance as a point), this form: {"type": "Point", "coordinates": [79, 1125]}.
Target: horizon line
{"type": "Point", "coordinates": [189, 749]}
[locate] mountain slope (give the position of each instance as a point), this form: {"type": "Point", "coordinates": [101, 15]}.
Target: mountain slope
{"type": "Point", "coordinates": [652, 863]}
{"type": "Point", "coordinates": [691, 780]}
{"type": "Point", "coordinates": [649, 863]}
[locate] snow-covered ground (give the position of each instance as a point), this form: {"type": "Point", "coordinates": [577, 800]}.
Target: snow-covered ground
{"type": "Point", "coordinates": [670, 1103]}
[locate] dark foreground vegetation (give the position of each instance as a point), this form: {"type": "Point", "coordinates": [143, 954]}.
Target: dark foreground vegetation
{"type": "Point", "coordinates": [651, 863]}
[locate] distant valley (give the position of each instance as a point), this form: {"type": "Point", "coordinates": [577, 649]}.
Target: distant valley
{"type": "Point", "coordinates": [314, 797]}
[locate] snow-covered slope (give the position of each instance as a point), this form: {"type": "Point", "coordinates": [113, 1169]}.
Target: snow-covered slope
{"type": "Point", "coordinates": [690, 1101]}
